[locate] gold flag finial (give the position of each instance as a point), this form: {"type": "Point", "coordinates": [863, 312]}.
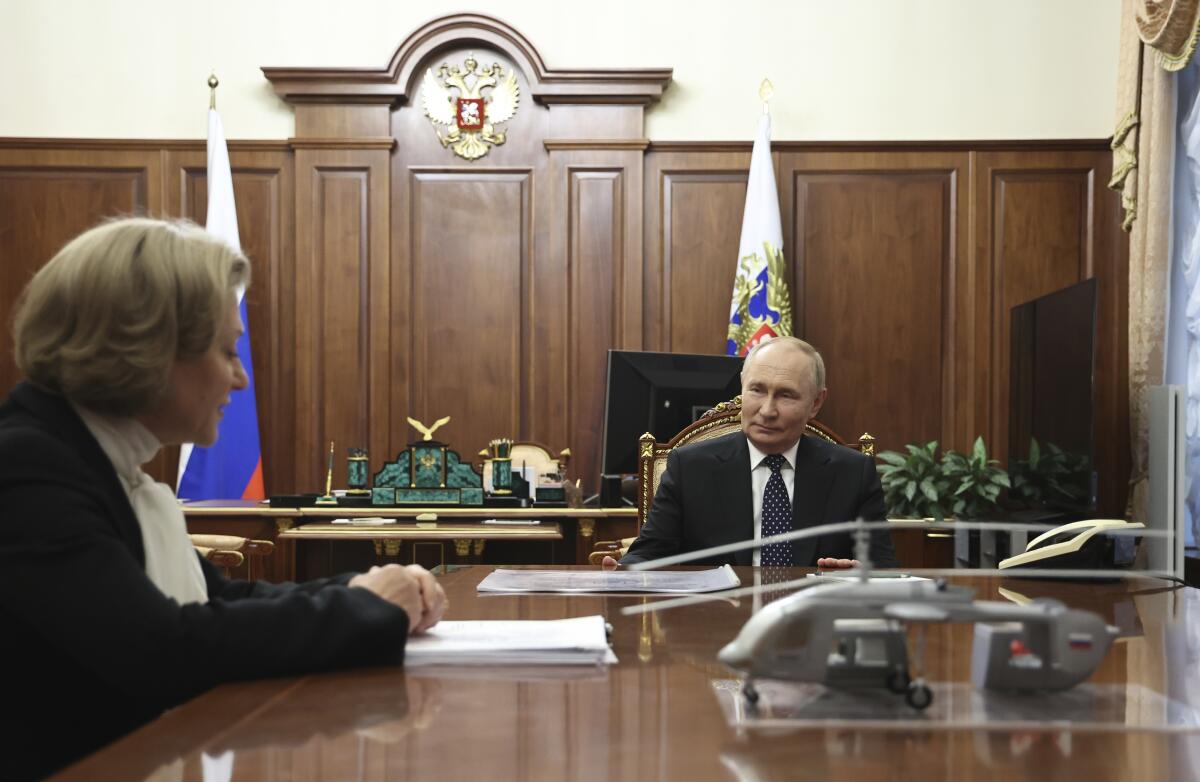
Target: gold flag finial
{"type": "Point", "coordinates": [212, 90]}
{"type": "Point", "coordinates": [765, 91]}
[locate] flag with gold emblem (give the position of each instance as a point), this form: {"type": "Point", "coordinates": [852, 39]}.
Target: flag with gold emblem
{"type": "Point", "coordinates": [762, 307]}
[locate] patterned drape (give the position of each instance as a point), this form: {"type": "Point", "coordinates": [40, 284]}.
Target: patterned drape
{"type": "Point", "coordinates": [1158, 38]}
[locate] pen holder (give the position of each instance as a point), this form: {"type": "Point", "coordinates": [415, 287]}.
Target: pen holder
{"type": "Point", "coordinates": [502, 477]}
{"type": "Point", "coordinates": [356, 473]}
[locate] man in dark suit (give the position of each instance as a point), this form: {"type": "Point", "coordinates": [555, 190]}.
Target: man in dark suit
{"type": "Point", "coordinates": [769, 478]}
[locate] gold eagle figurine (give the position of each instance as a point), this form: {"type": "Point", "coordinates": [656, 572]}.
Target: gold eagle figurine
{"type": "Point", "coordinates": [428, 431]}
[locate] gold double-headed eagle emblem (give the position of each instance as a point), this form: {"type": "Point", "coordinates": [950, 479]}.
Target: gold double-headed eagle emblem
{"type": "Point", "coordinates": [471, 117]}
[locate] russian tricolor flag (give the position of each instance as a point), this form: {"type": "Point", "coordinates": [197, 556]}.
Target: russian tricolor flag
{"type": "Point", "coordinates": [232, 467]}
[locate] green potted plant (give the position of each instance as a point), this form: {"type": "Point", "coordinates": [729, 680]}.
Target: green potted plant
{"type": "Point", "coordinates": [914, 486]}
{"type": "Point", "coordinates": [975, 482]}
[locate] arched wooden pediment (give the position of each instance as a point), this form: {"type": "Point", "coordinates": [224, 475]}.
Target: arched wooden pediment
{"type": "Point", "coordinates": [396, 83]}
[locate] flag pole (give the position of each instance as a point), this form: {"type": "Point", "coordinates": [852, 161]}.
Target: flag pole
{"type": "Point", "coordinates": [760, 307]}
{"type": "Point", "coordinates": [231, 468]}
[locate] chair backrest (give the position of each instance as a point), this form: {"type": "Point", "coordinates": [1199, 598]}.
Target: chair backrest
{"type": "Point", "coordinates": [721, 420]}
{"type": "Point", "coordinates": [531, 455]}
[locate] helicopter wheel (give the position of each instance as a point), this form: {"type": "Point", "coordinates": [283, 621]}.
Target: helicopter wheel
{"type": "Point", "coordinates": [750, 693]}
{"type": "Point", "coordinates": [898, 681]}
{"type": "Point", "coordinates": [918, 696]}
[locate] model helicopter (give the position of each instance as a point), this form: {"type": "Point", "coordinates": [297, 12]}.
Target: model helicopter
{"type": "Point", "coordinates": [850, 630]}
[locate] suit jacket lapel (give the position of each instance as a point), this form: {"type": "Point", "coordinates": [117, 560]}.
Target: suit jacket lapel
{"type": "Point", "coordinates": [810, 493]}
{"type": "Point", "coordinates": [737, 496]}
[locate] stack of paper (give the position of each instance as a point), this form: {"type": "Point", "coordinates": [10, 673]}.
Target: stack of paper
{"type": "Point", "coordinates": [877, 578]}
{"type": "Point", "coordinates": [579, 641]}
{"type": "Point", "coordinates": [680, 582]}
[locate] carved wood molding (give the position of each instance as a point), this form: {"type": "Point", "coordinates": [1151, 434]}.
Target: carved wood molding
{"type": "Point", "coordinates": [395, 83]}
{"type": "Point", "coordinates": [635, 144]}
{"type": "Point", "coordinates": [985, 145]}
{"type": "Point", "coordinates": [342, 143]}
{"type": "Point", "coordinates": [153, 145]}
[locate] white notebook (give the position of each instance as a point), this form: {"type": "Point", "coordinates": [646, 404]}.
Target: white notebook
{"type": "Point", "coordinates": [579, 641]}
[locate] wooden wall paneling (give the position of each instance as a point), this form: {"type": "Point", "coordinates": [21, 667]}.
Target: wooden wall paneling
{"type": "Point", "coordinates": [263, 192]}
{"type": "Point", "coordinates": [1039, 218]}
{"type": "Point", "coordinates": [478, 300]}
{"type": "Point", "coordinates": [549, 393]}
{"type": "Point", "coordinates": [50, 195]}
{"type": "Point", "coordinates": [342, 341]}
{"type": "Point", "coordinates": [400, 309]}
{"type": "Point", "coordinates": [693, 216]}
{"type": "Point", "coordinates": [472, 291]}
{"type": "Point", "coordinates": [335, 124]}
{"type": "Point", "coordinates": [1038, 225]}
{"type": "Point", "coordinates": [470, 249]}
{"type": "Point", "coordinates": [599, 233]}
{"type": "Point", "coordinates": [1047, 220]}
{"type": "Point", "coordinates": [874, 258]}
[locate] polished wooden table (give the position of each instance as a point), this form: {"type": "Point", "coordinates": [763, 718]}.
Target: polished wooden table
{"type": "Point", "coordinates": [654, 716]}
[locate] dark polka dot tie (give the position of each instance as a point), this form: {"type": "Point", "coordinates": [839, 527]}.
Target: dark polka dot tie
{"type": "Point", "coordinates": [776, 515]}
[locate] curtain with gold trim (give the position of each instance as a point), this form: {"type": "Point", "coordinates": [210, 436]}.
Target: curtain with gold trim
{"type": "Point", "coordinates": [1158, 38]}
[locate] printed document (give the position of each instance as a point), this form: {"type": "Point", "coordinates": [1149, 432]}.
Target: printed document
{"type": "Point", "coordinates": [687, 582]}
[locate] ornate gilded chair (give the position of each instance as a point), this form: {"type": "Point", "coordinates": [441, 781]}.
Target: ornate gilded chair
{"type": "Point", "coordinates": [531, 454]}
{"type": "Point", "coordinates": [721, 420]}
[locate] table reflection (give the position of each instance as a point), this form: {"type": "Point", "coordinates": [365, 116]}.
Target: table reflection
{"type": "Point", "coordinates": [655, 716]}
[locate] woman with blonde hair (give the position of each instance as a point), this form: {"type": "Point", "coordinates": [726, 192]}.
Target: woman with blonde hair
{"type": "Point", "coordinates": [127, 338]}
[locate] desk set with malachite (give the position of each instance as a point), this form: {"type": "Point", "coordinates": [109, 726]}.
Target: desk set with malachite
{"type": "Point", "coordinates": [427, 473]}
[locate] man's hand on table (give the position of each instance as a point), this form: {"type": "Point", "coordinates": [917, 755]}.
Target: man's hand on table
{"type": "Point", "coordinates": [833, 563]}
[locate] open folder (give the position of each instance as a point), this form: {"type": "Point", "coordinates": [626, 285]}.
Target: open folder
{"type": "Point", "coordinates": [579, 641]}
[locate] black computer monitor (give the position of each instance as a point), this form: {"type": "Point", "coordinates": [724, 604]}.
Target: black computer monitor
{"type": "Point", "coordinates": [660, 393]}
{"type": "Point", "coordinates": [1051, 384]}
